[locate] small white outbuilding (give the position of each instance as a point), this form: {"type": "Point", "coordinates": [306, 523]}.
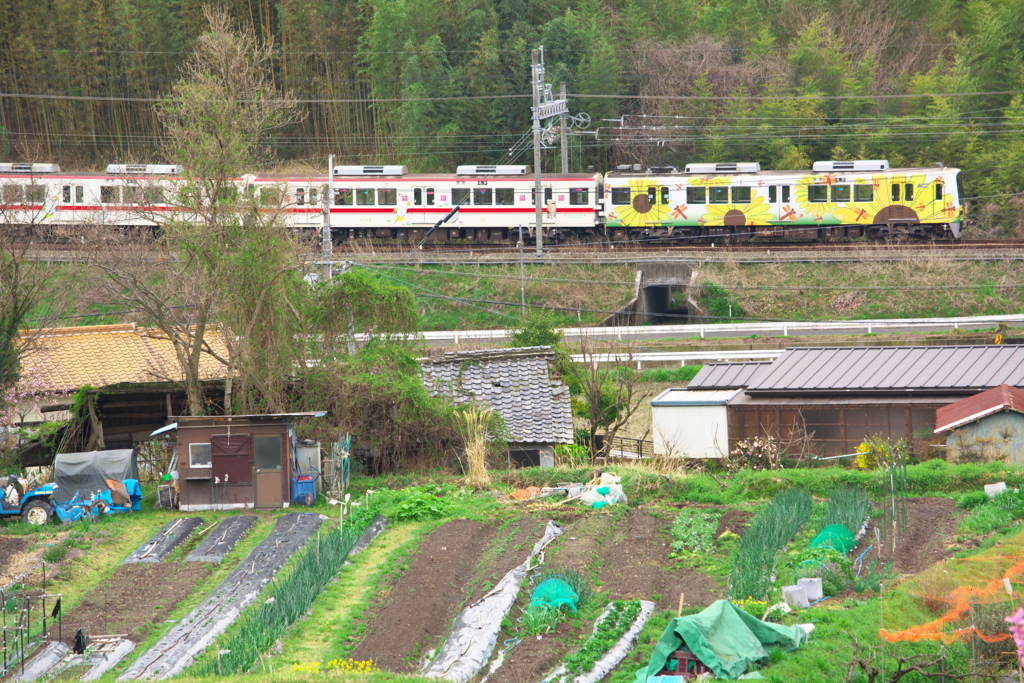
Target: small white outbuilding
{"type": "Point", "coordinates": [691, 424]}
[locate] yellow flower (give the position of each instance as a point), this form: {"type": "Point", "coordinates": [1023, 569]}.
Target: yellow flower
{"type": "Point", "coordinates": [757, 212]}
{"type": "Point", "coordinates": [642, 211]}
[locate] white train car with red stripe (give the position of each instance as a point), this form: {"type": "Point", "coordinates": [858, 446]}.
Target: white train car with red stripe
{"type": "Point", "coordinates": [362, 201]}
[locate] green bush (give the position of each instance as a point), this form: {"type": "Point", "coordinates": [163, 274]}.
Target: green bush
{"type": "Point", "coordinates": [684, 373]}
{"type": "Point", "coordinates": [994, 514]}
{"type": "Point", "coordinates": [418, 504]}
{"type": "Point", "coordinates": [971, 500]}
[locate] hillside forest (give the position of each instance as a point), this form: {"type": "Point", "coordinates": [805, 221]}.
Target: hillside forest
{"type": "Point", "coordinates": [435, 83]}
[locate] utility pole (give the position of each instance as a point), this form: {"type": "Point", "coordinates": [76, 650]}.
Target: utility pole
{"type": "Point", "coordinates": [522, 274]}
{"type": "Point", "coordinates": [538, 191]}
{"type": "Point", "coordinates": [326, 240]}
{"type": "Point", "coordinates": [562, 129]}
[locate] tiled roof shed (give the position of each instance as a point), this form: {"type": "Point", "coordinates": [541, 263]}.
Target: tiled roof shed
{"type": "Point", "coordinates": [891, 370]}
{"type": "Point", "coordinates": [727, 375]}
{"type": "Point", "coordinates": [973, 408]}
{"type": "Point", "coordinates": [517, 383]}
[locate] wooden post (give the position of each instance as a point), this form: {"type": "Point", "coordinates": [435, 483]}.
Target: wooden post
{"type": "Point", "coordinates": [679, 612]}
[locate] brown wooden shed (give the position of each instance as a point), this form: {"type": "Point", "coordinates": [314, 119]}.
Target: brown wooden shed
{"type": "Point", "coordinates": [235, 461]}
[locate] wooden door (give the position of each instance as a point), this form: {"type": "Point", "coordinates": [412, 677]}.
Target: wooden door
{"type": "Point", "coordinates": [270, 471]}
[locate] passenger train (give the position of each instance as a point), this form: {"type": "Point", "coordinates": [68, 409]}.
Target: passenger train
{"type": "Point", "coordinates": [704, 202]}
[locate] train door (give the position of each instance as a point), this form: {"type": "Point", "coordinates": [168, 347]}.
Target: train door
{"type": "Point", "coordinates": [424, 201]}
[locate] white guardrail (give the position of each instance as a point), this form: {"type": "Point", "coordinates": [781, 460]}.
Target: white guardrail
{"type": "Point", "coordinates": [736, 329]}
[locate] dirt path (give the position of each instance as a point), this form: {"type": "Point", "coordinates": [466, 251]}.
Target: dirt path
{"type": "Point", "coordinates": [930, 529]}
{"type": "Point", "coordinates": [10, 548]}
{"type": "Point", "coordinates": [134, 598]}
{"type": "Point", "coordinates": [510, 549]}
{"type": "Point", "coordinates": [418, 610]}
{"type": "Point", "coordinates": [635, 564]}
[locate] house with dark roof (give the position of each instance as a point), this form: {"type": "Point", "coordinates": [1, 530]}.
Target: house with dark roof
{"type": "Point", "coordinates": [828, 400]}
{"type": "Point", "coordinates": [986, 426]}
{"type": "Point", "coordinates": [521, 385]}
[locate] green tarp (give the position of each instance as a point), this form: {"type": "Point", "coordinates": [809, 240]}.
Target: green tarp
{"type": "Point", "coordinates": [727, 639]}
{"type": "Point", "coordinates": [836, 536]}
{"type": "Point", "coordinates": [554, 592]}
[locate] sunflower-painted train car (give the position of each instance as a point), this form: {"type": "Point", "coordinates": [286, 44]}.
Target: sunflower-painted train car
{"type": "Point", "coordinates": [836, 199]}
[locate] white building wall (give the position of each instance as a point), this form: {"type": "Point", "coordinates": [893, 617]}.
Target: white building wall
{"type": "Point", "coordinates": [697, 431]}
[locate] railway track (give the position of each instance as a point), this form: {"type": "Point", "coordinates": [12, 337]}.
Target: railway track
{"type": "Point", "coordinates": [625, 252]}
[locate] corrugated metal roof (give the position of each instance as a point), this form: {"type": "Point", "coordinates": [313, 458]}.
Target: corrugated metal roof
{"type": "Point", "coordinates": [972, 408]}
{"type": "Point", "coordinates": [727, 375]}
{"type": "Point", "coordinates": [687, 397]}
{"type": "Point", "coordinates": [886, 369]}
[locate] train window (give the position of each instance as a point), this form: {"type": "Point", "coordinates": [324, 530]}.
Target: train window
{"type": "Point", "coordinates": [430, 196]}
{"type": "Point", "coordinates": [364, 197]}
{"type": "Point", "coordinates": [863, 193]}
{"type": "Point", "coordinates": [110, 194]}
{"type": "Point", "coordinates": [785, 193]}
{"type": "Point", "coordinates": [80, 194]}
{"type": "Point", "coordinates": [938, 192]}
{"type": "Point", "coordinates": [226, 195]}
{"type": "Point", "coordinates": [579, 196]}
{"type": "Point", "coordinates": [773, 194]}
{"type": "Point", "coordinates": [300, 196]}
{"type": "Point", "coordinates": [908, 192]}
{"type": "Point", "coordinates": [483, 196]}
{"type": "Point", "coordinates": [695, 195]}
{"type": "Point", "coordinates": [504, 196]}
{"type": "Point", "coordinates": [270, 196]}
{"type": "Point", "coordinates": [895, 192]}
{"type": "Point", "coordinates": [817, 194]}
{"type": "Point", "coordinates": [35, 194]}
{"type": "Point", "coordinates": [417, 196]}
{"type": "Point", "coordinates": [664, 195]}
{"type": "Point", "coordinates": [11, 194]}
{"type": "Point", "coordinates": [133, 195]}
{"type": "Point", "coordinates": [741, 195]}
{"type": "Point", "coordinates": [343, 197]}
{"type": "Point", "coordinates": [154, 195]}
{"type": "Point", "coordinates": [387, 196]}
{"type": "Point", "coordinates": [460, 196]}
{"type": "Point", "coordinates": [840, 193]}
{"type": "Point", "coordinates": [718, 195]}
{"type": "Point", "coordinates": [620, 196]}
{"type": "Point", "coordinates": [313, 195]}
{"type": "Point", "coordinates": [66, 194]}
{"type": "Point", "coordinates": [548, 193]}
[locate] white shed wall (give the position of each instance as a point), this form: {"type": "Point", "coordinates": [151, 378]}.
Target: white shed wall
{"type": "Point", "coordinates": [690, 431]}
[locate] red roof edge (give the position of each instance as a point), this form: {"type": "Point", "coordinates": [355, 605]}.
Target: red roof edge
{"type": "Point", "coordinates": [973, 408]}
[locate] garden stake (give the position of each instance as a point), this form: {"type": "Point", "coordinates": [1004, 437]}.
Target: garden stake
{"type": "Point", "coordinates": [679, 612]}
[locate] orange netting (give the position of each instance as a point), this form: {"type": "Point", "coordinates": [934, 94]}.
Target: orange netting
{"type": "Point", "coordinates": [961, 600]}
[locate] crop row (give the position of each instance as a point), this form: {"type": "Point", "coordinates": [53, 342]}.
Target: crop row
{"type": "Point", "coordinates": [753, 567]}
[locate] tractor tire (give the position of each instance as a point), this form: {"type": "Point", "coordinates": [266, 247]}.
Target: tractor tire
{"type": "Point", "coordinates": [37, 512]}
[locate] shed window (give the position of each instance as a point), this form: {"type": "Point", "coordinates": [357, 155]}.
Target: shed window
{"type": "Point", "coordinates": [483, 196]}
{"type": "Point", "coordinates": [718, 195]}
{"type": "Point", "coordinates": [863, 193]}
{"type": "Point", "coordinates": [741, 195]}
{"type": "Point", "coordinates": [460, 196]}
{"type": "Point", "coordinates": [268, 452]}
{"type": "Point", "coordinates": [199, 455]}
{"type": "Point", "coordinates": [620, 196]}
{"type": "Point", "coordinates": [696, 195]}
{"type": "Point", "coordinates": [579, 196]}
{"type": "Point", "coordinates": [840, 193]}
{"type": "Point", "coordinates": [504, 196]}
{"type": "Point", "coordinates": [817, 194]}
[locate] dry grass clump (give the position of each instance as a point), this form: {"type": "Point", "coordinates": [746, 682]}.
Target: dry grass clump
{"type": "Point", "coordinates": [475, 423]}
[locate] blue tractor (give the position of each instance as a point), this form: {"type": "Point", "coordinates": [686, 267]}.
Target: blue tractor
{"type": "Point", "coordinates": [35, 506]}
